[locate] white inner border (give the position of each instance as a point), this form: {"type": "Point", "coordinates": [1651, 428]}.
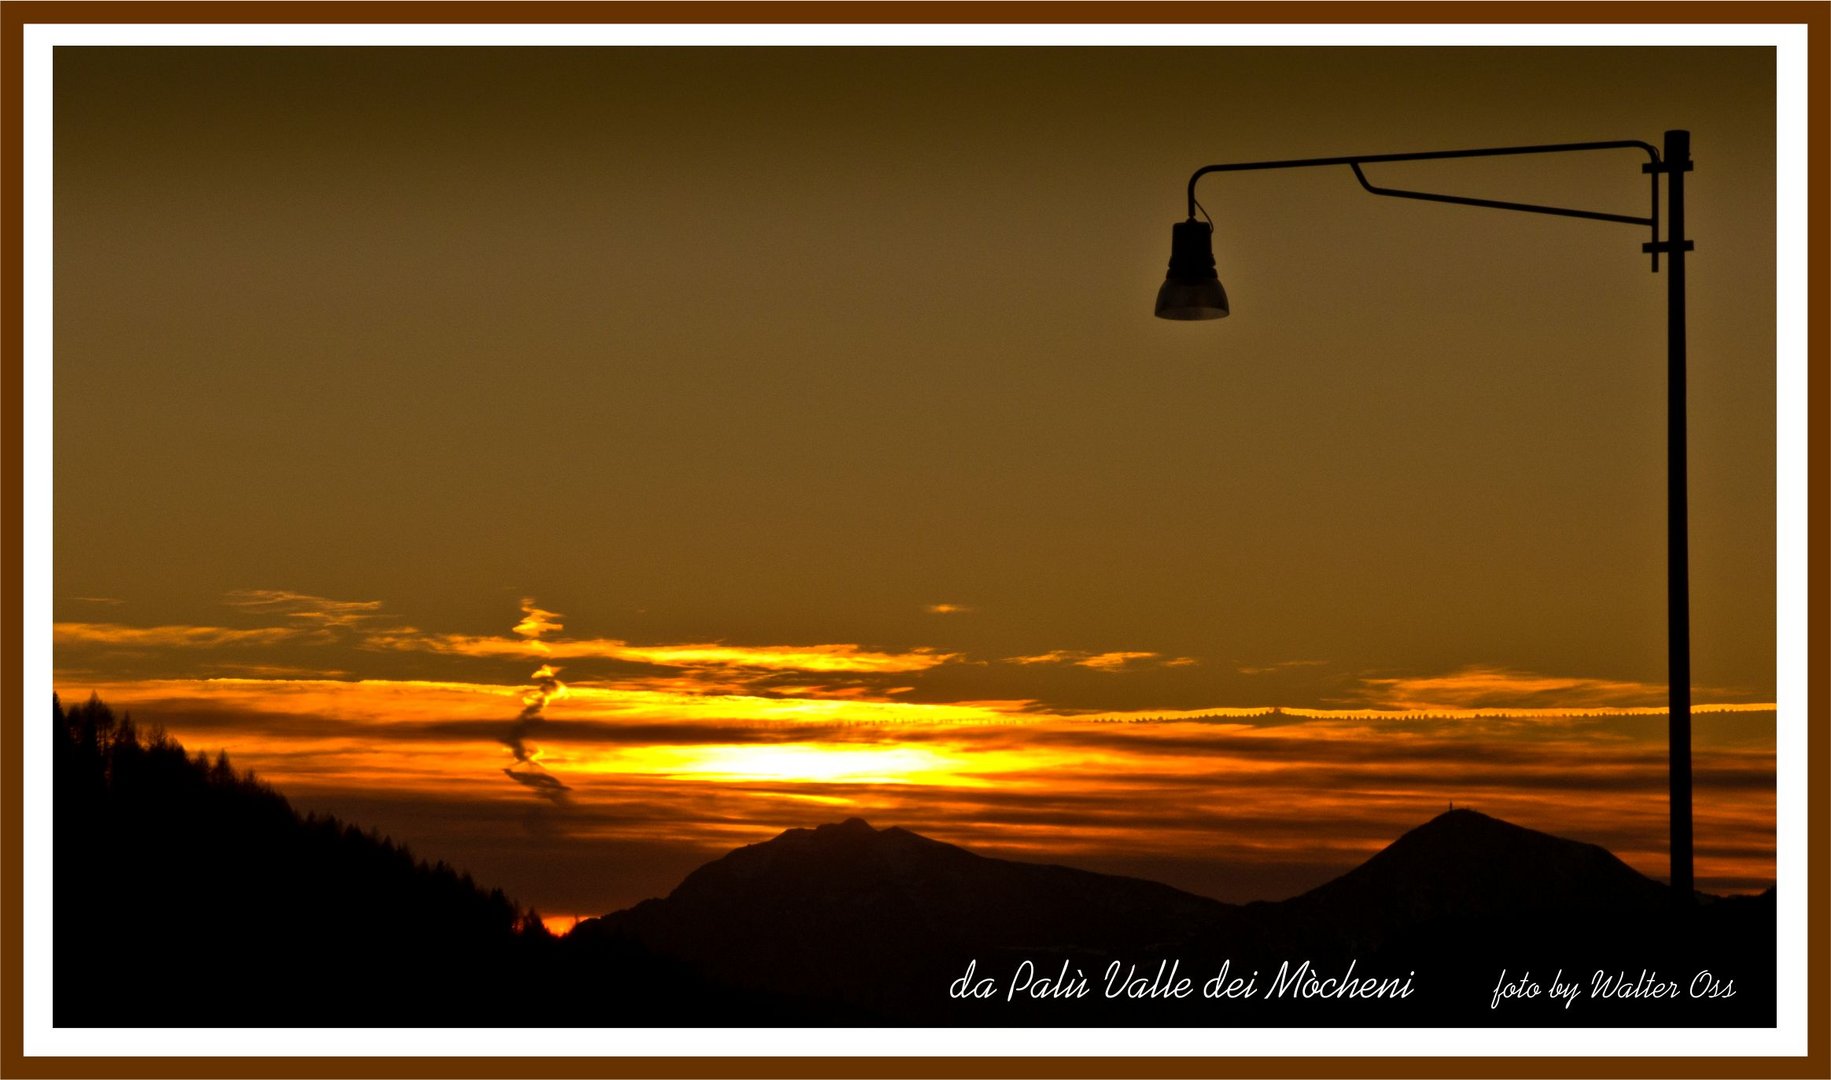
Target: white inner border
{"type": "Point", "coordinates": [1788, 1038]}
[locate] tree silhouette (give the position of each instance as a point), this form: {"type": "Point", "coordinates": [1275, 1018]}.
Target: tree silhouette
{"type": "Point", "coordinates": [188, 894]}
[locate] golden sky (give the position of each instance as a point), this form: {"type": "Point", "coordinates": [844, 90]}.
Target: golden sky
{"type": "Point", "coordinates": [655, 757]}
{"type": "Point", "coordinates": [802, 412]}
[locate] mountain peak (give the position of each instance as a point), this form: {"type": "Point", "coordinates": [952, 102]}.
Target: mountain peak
{"type": "Point", "coordinates": [867, 899]}
{"type": "Point", "coordinates": [1466, 834]}
{"type": "Point", "coordinates": [1467, 864]}
{"type": "Point", "coordinates": [1463, 821]}
{"type": "Point", "coordinates": [849, 825]}
{"type": "Point", "coordinates": [1469, 813]}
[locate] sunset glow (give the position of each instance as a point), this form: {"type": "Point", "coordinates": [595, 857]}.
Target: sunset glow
{"type": "Point", "coordinates": [813, 658]}
{"type": "Point", "coordinates": [1229, 800]}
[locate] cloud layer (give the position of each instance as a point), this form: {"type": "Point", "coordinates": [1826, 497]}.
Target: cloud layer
{"type": "Point", "coordinates": [1500, 688]}
{"type": "Point", "coordinates": [675, 750]}
{"type": "Point", "coordinates": [1247, 805]}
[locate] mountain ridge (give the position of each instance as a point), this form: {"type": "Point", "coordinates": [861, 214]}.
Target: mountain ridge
{"type": "Point", "coordinates": [848, 919]}
{"type": "Point", "coordinates": [811, 908]}
{"type": "Point", "coordinates": [1520, 856]}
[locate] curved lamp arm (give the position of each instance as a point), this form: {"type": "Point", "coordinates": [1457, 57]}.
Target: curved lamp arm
{"type": "Point", "coordinates": [1653, 168]}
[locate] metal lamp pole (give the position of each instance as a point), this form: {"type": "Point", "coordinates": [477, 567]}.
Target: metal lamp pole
{"type": "Point", "coordinates": [1192, 290]}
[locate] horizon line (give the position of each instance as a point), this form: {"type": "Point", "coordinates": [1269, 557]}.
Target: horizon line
{"type": "Point", "coordinates": [1004, 715]}
{"type": "Point", "coordinates": [1452, 712]}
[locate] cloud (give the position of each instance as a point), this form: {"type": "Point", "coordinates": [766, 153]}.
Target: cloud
{"type": "Point", "coordinates": [831, 658]}
{"type": "Point", "coordinates": [822, 658]}
{"type": "Point", "coordinates": [385, 705]}
{"type": "Point", "coordinates": [98, 599]}
{"type": "Point", "coordinates": [535, 622]}
{"type": "Point", "coordinates": [1113, 661]}
{"type": "Point", "coordinates": [277, 671]}
{"type": "Point", "coordinates": [163, 637]}
{"type": "Point", "coordinates": [1502, 688]}
{"type": "Point", "coordinates": [1105, 661]}
{"type": "Point", "coordinates": [540, 782]}
{"type": "Point", "coordinates": [533, 703]}
{"type": "Point", "coordinates": [946, 609]}
{"type": "Point", "coordinates": [314, 609]}
{"type": "Point", "coordinates": [1281, 665]}
{"type": "Point", "coordinates": [1057, 656]}
{"type": "Point", "coordinates": [714, 772]}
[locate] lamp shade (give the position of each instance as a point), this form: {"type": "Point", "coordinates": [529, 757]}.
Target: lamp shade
{"type": "Point", "coordinates": [1192, 289]}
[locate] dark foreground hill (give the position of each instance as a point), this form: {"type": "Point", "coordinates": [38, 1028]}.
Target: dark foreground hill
{"type": "Point", "coordinates": [186, 894]}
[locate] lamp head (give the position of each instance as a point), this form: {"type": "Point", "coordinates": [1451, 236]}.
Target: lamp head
{"type": "Point", "coordinates": [1192, 290]}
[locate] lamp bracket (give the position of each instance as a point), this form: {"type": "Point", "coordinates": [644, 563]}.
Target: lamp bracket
{"type": "Point", "coordinates": [1653, 167]}
{"type": "Point", "coordinates": [1530, 208]}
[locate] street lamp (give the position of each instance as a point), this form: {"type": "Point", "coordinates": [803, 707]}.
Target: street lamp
{"type": "Point", "coordinates": [1192, 290]}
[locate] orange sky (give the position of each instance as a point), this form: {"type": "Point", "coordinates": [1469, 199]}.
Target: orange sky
{"type": "Point", "coordinates": [628, 780]}
{"type": "Point", "coordinates": [799, 415]}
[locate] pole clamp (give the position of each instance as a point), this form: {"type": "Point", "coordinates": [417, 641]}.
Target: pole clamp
{"type": "Point", "coordinates": [1668, 246]}
{"type": "Point", "coordinates": [1666, 166]}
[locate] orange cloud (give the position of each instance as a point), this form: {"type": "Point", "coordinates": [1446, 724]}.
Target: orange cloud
{"type": "Point", "coordinates": [1281, 665]}
{"type": "Point", "coordinates": [946, 609]}
{"type": "Point", "coordinates": [1056, 656]}
{"type": "Point", "coordinates": [826, 658]}
{"type": "Point", "coordinates": [1501, 688]}
{"type": "Point", "coordinates": [316, 609]}
{"type": "Point", "coordinates": [160, 637]}
{"type": "Point", "coordinates": [1112, 661]}
{"type": "Point", "coordinates": [536, 622]}
{"type": "Point", "coordinates": [788, 657]}
{"type": "Point", "coordinates": [387, 703]}
{"type": "Point", "coordinates": [276, 671]}
{"type": "Point", "coordinates": [1106, 661]}
{"type": "Point", "coordinates": [1546, 712]}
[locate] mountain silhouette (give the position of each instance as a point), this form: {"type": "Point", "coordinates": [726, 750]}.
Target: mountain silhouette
{"type": "Point", "coordinates": [841, 904]}
{"type": "Point", "coordinates": [836, 877]}
{"type": "Point", "coordinates": [855, 924]}
{"type": "Point", "coordinates": [1466, 865]}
